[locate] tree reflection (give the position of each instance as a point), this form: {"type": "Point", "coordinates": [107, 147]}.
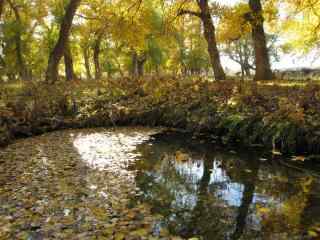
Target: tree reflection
{"type": "Point", "coordinates": [219, 195]}
{"type": "Point", "coordinates": [247, 199]}
{"type": "Point", "coordinates": [203, 220]}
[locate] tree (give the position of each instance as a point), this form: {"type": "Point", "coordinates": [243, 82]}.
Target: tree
{"type": "Point", "coordinates": [96, 56]}
{"type": "Point", "coordinates": [255, 17]}
{"type": "Point", "coordinates": [23, 70]}
{"type": "Point", "coordinates": [68, 62]}
{"type": "Point", "coordinates": [301, 26]}
{"type": "Point", "coordinates": [86, 58]}
{"type": "Point", "coordinates": [210, 36]}
{"type": "Point", "coordinates": [59, 49]}
{"type": "Point", "coordinates": [1, 7]}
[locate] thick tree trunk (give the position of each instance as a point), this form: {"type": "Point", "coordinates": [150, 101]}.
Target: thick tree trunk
{"type": "Point", "coordinates": [263, 68]}
{"type": "Point", "coordinates": [87, 63]}
{"type": "Point", "coordinates": [210, 36]}
{"type": "Point", "coordinates": [23, 70]}
{"type": "Point", "coordinates": [96, 57]}
{"type": "Point", "coordinates": [58, 51]}
{"type": "Point", "coordinates": [68, 62]}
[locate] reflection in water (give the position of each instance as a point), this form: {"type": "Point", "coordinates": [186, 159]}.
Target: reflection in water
{"type": "Point", "coordinates": [112, 150]}
{"type": "Point", "coordinates": [247, 199]}
{"type": "Point", "coordinates": [79, 184]}
{"type": "Point", "coordinates": [219, 195]}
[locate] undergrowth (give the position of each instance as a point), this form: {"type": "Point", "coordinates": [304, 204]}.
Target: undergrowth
{"type": "Point", "coordinates": [281, 116]}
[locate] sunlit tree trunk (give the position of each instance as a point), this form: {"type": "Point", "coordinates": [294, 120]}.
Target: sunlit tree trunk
{"type": "Point", "coordinates": [1, 7]}
{"type": "Point", "coordinates": [68, 62]}
{"type": "Point", "coordinates": [247, 65]}
{"type": "Point", "coordinates": [52, 74]}
{"type": "Point", "coordinates": [263, 68]}
{"type": "Point", "coordinates": [87, 63]}
{"type": "Point", "coordinates": [23, 70]}
{"type": "Point", "coordinates": [96, 57]}
{"type": "Point", "coordinates": [2, 66]}
{"type": "Point", "coordinates": [134, 64]}
{"type": "Point", "coordinates": [210, 35]}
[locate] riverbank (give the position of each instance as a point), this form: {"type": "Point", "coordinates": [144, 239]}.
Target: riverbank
{"type": "Point", "coordinates": [283, 117]}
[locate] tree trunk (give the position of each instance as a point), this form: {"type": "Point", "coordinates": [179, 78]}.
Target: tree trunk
{"type": "Point", "coordinates": [23, 70]}
{"type": "Point", "coordinates": [68, 62]}
{"type": "Point", "coordinates": [247, 65]}
{"type": "Point", "coordinates": [210, 36]}
{"type": "Point", "coordinates": [1, 7]}
{"type": "Point", "coordinates": [246, 68]}
{"type": "Point", "coordinates": [134, 67]}
{"type": "Point", "coordinates": [140, 65]}
{"type": "Point", "coordinates": [140, 68]}
{"type": "Point", "coordinates": [59, 49]}
{"type": "Point", "coordinates": [96, 57]}
{"type": "Point", "coordinates": [87, 62]}
{"type": "Point", "coordinates": [263, 68]}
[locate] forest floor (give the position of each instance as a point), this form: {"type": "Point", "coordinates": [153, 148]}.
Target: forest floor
{"type": "Point", "coordinates": [282, 116]}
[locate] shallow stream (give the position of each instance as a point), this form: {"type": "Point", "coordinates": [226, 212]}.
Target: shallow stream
{"type": "Point", "coordinates": [141, 183]}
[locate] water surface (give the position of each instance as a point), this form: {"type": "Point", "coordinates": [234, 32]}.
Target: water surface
{"type": "Point", "coordinates": [223, 194]}
{"type": "Point", "coordinates": [137, 183]}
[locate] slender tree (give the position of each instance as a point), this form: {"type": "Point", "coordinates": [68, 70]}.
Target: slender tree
{"type": "Point", "coordinates": [87, 62]}
{"type": "Point", "coordinates": [68, 62]}
{"type": "Point", "coordinates": [22, 66]}
{"type": "Point", "coordinates": [96, 56]}
{"type": "Point", "coordinates": [210, 36]}
{"type": "Point", "coordinates": [263, 68]}
{"type": "Point", "coordinates": [1, 7]}
{"type": "Point", "coordinates": [138, 61]}
{"type": "Point", "coordinates": [59, 49]}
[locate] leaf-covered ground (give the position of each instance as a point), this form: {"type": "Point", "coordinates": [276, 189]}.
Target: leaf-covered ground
{"type": "Point", "coordinates": [47, 192]}
{"type": "Point", "coordinates": [280, 116]}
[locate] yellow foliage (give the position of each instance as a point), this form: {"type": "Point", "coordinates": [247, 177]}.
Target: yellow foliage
{"type": "Point", "coordinates": [301, 24]}
{"type": "Point", "coordinates": [234, 19]}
